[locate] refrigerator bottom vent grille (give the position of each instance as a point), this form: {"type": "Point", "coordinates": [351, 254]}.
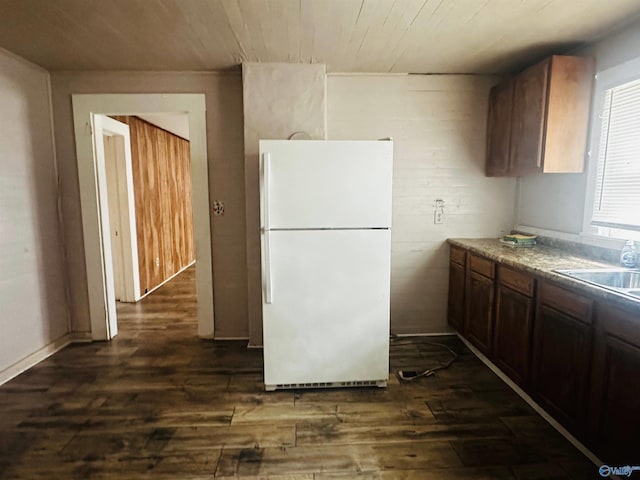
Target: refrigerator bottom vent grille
{"type": "Point", "coordinates": [357, 383]}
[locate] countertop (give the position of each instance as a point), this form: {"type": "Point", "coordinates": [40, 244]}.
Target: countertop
{"type": "Point", "coordinates": [542, 260]}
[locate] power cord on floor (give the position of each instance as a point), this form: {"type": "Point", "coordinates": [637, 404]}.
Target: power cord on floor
{"type": "Point", "coordinates": [410, 375]}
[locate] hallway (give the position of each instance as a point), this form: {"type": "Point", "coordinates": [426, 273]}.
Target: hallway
{"type": "Point", "coordinates": [157, 402]}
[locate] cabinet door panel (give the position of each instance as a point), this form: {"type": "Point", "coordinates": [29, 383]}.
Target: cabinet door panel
{"type": "Point", "coordinates": [478, 326]}
{"type": "Point", "coordinates": [561, 363]}
{"type": "Point", "coordinates": [529, 111]}
{"type": "Point", "coordinates": [456, 296]}
{"type": "Point", "coordinates": [499, 129]}
{"type": "Point", "coordinates": [513, 330]}
{"type": "Point", "coordinates": [615, 389]}
{"type": "Point", "coordinates": [618, 428]}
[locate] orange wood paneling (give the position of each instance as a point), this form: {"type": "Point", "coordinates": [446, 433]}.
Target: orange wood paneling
{"type": "Point", "coordinates": [162, 188]}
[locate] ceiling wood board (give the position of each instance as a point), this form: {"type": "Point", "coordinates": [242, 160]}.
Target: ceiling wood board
{"type": "Point", "coordinates": [417, 36]}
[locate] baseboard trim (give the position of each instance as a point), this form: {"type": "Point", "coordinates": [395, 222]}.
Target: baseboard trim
{"type": "Point", "coordinates": [36, 357]}
{"type": "Point", "coordinates": [532, 403]}
{"type": "Point", "coordinates": [443, 334]}
{"type": "Point", "coordinates": [81, 337]}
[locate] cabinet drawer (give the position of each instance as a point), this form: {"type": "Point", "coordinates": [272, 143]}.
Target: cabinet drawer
{"type": "Point", "coordinates": [617, 322]}
{"type": "Point", "coordinates": [567, 302]}
{"type": "Point", "coordinates": [518, 281]}
{"type": "Point", "coordinates": [481, 265]}
{"type": "Point", "coordinates": [458, 255]}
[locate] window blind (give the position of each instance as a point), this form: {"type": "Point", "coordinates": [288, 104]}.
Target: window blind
{"type": "Point", "coordinates": [617, 192]}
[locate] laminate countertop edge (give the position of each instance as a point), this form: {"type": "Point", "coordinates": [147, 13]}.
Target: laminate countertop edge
{"type": "Point", "coordinates": [542, 261]}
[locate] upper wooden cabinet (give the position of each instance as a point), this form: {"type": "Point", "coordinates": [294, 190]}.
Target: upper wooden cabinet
{"type": "Point", "coordinates": [499, 129]}
{"type": "Point", "coordinates": [538, 120]}
{"type": "Point", "coordinates": [527, 128]}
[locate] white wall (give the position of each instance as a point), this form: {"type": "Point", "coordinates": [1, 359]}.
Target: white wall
{"type": "Point", "coordinates": [279, 99]}
{"type": "Point", "coordinates": [438, 123]}
{"type": "Point", "coordinates": [33, 310]}
{"type": "Point", "coordinates": [226, 180]}
{"type": "Point", "coordinates": [556, 201]}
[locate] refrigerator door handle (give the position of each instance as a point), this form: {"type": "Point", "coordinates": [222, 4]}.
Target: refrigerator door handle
{"type": "Point", "coordinates": [268, 293]}
{"type": "Point", "coordinates": [266, 161]}
{"type": "Point", "coordinates": [268, 289]}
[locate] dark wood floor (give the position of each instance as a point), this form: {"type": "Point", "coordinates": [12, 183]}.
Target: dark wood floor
{"type": "Point", "coordinates": [159, 403]}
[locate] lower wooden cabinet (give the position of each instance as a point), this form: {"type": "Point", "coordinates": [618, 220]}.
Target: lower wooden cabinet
{"type": "Point", "coordinates": [478, 322]}
{"type": "Point", "coordinates": [455, 306]}
{"type": "Point", "coordinates": [614, 417]}
{"type": "Point", "coordinates": [577, 357]}
{"type": "Point", "coordinates": [455, 311]}
{"type": "Point", "coordinates": [513, 329]}
{"type": "Point", "coordinates": [562, 348]}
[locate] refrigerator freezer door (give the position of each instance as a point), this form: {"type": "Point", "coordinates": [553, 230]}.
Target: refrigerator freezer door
{"type": "Point", "coordinates": [327, 184]}
{"type": "Point", "coordinates": [328, 320]}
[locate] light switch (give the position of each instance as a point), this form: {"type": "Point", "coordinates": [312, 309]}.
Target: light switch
{"type": "Point", "coordinates": [438, 212]}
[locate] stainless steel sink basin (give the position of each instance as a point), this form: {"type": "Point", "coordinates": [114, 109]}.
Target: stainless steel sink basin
{"type": "Point", "coordinates": [622, 280]}
{"type": "Point", "coordinates": [616, 278]}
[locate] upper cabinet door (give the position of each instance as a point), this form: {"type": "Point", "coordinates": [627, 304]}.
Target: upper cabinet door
{"type": "Point", "coordinates": [538, 121]}
{"type": "Point", "coordinates": [499, 129]}
{"type": "Point", "coordinates": [529, 112]}
{"type": "Point", "coordinates": [566, 127]}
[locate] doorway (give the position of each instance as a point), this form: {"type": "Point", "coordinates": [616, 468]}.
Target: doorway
{"type": "Point", "coordinates": [94, 202]}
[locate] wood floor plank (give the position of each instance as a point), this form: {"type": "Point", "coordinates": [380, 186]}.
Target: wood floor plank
{"type": "Point", "coordinates": [540, 471]}
{"type": "Point", "coordinates": [231, 436]}
{"type": "Point", "coordinates": [342, 395]}
{"type": "Point", "coordinates": [488, 452]}
{"type": "Point", "coordinates": [496, 473]}
{"type": "Point", "coordinates": [270, 413]}
{"type": "Point", "coordinates": [303, 476]}
{"type": "Point", "coordinates": [323, 433]}
{"type": "Point", "coordinates": [323, 459]}
{"type": "Point", "coordinates": [159, 403]}
{"type": "Point", "coordinates": [392, 412]}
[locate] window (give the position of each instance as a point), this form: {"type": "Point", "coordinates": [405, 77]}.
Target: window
{"type": "Point", "coordinates": [615, 179]}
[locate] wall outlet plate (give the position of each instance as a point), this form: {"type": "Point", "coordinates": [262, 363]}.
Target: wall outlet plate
{"type": "Point", "coordinates": [438, 217]}
{"type": "Point", "coordinates": [218, 208]}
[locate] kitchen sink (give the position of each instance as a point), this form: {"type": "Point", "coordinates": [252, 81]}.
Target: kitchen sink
{"type": "Point", "coordinates": [622, 280]}
{"type": "Point", "coordinates": [616, 278]}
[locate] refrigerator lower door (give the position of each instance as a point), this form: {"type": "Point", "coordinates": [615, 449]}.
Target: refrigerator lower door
{"type": "Point", "coordinates": [327, 323]}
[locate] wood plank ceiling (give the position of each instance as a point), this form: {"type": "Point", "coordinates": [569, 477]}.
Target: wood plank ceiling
{"type": "Point", "coordinates": [418, 36]}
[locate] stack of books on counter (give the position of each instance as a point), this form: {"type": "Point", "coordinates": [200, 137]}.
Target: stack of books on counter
{"type": "Point", "coordinates": [518, 240]}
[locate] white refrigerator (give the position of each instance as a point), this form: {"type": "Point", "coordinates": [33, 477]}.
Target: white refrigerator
{"type": "Point", "coordinates": [326, 250]}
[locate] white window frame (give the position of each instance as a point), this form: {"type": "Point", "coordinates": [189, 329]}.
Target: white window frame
{"type": "Point", "coordinates": [605, 80]}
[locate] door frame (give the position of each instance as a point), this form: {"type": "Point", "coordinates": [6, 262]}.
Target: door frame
{"type": "Point", "coordinates": [97, 247]}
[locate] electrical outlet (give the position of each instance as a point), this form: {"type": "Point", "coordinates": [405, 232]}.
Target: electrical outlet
{"type": "Point", "coordinates": [218, 207]}
{"type": "Point", "coordinates": [157, 261]}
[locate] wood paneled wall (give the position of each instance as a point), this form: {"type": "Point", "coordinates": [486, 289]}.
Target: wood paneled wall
{"type": "Point", "coordinates": [162, 188]}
